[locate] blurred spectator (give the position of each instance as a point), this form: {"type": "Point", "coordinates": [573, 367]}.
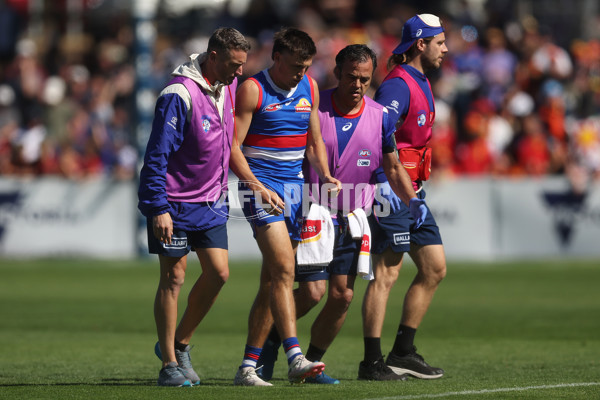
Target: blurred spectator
{"type": "Point", "coordinates": [473, 155]}
{"type": "Point", "coordinates": [585, 145]}
{"type": "Point", "coordinates": [532, 150]}
{"type": "Point", "coordinates": [443, 142]}
{"type": "Point", "coordinates": [9, 32]}
{"type": "Point", "coordinates": [9, 126]}
{"type": "Point", "coordinates": [549, 59]}
{"type": "Point", "coordinates": [498, 66]}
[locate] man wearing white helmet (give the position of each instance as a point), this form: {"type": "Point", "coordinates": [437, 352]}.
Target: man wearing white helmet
{"type": "Point", "coordinates": [406, 93]}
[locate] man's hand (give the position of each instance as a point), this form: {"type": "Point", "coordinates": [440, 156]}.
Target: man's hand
{"type": "Point", "coordinates": [418, 210]}
{"type": "Point", "coordinates": [162, 226]}
{"type": "Point", "coordinates": [332, 181]}
{"type": "Point", "coordinates": [271, 202]}
{"type": "Point", "coordinates": [386, 192]}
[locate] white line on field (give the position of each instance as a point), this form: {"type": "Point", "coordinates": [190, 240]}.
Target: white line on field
{"type": "Point", "coordinates": [484, 391]}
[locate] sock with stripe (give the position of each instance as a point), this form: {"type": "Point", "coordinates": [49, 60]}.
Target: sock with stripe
{"type": "Point", "coordinates": [251, 355]}
{"type": "Point", "coordinates": [292, 349]}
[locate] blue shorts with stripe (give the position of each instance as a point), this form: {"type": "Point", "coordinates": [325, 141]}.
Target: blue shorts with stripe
{"type": "Point", "coordinates": [397, 230]}
{"type": "Point", "coordinates": [290, 191]}
{"type": "Point", "coordinates": [345, 257]}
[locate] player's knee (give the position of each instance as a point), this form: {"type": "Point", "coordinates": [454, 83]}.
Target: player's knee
{"type": "Point", "coordinates": [282, 274]}
{"type": "Point", "coordinates": [438, 273]}
{"type": "Point", "coordinates": [342, 298]}
{"type": "Point", "coordinates": [313, 298]}
{"type": "Point", "coordinates": [433, 275]}
{"type": "Point", "coordinates": [173, 280]}
{"type": "Point", "coordinates": [221, 276]}
{"type": "Point", "coordinates": [311, 293]}
{"type": "Point", "coordinates": [441, 273]}
{"type": "Point", "coordinates": [385, 282]}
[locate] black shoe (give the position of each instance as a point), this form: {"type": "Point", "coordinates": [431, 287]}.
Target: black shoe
{"type": "Point", "coordinates": [413, 364]}
{"type": "Point", "coordinates": [377, 371]}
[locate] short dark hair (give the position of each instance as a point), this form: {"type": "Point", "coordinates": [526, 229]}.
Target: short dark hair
{"type": "Point", "coordinates": [294, 41]}
{"type": "Point", "coordinates": [227, 39]}
{"type": "Point", "coordinates": [355, 53]}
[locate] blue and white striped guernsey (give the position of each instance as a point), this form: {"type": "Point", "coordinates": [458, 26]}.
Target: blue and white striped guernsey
{"type": "Point", "coordinates": [276, 139]}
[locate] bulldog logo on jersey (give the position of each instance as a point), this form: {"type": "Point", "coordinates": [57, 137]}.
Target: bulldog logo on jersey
{"type": "Point", "coordinates": [421, 119]}
{"type": "Point", "coordinates": [303, 105]}
{"type": "Point", "coordinates": [206, 123]}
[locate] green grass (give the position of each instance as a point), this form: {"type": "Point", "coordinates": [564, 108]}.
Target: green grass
{"type": "Point", "coordinates": [85, 329]}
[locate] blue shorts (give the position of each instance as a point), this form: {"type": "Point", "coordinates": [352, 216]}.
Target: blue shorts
{"type": "Point", "coordinates": [183, 241]}
{"type": "Point", "coordinates": [345, 258]}
{"type": "Point", "coordinates": [397, 230]}
{"type": "Point", "coordinates": [291, 193]}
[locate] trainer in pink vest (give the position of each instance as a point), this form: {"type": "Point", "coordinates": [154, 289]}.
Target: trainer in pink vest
{"type": "Point", "coordinates": [205, 149]}
{"type": "Point", "coordinates": [355, 167]}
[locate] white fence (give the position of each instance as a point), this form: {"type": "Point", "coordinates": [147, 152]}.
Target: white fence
{"type": "Point", "coordinates": [480, 219]}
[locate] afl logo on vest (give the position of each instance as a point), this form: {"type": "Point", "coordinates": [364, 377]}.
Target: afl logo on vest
{"type": "Point", "coordinates": [365, 153]}
{"type": "Point", "coordinates": [421, 119]}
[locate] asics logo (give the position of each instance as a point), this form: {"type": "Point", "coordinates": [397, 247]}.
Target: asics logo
{"type": "Point", "coordinates": [347, 127]}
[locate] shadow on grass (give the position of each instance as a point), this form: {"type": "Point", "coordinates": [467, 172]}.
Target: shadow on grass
{"type": "Point", "coordinates": [122, 382]}
{"type": "Point", "coordinates": [103, 382]}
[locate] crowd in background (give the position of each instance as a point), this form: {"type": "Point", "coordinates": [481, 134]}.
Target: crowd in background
{"type": "Point", "coordinates": [511, 100]}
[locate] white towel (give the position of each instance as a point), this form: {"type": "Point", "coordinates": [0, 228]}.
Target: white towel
{"type": "Point", "coordinates": [316, 246]}
{"type": "Point", "coordinates": [360, 230]}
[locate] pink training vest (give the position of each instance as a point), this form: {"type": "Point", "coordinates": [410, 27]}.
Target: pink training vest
{"type": "Point", "coordinates": [198, 170]}
{"type": "Point", "coordinates": [356, 166]}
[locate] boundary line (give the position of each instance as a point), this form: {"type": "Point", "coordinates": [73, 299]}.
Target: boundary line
{"type": "Point", "coordinates": [486, 391]}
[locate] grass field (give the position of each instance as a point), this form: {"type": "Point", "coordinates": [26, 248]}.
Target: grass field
{"type": "Point", "coordinates": [84, 330]}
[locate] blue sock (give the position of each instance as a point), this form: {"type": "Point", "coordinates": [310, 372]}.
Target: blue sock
{"type": "Point", "coordinates": [292, 348]}
{"type": "Point", "coordinates": [251, 355]}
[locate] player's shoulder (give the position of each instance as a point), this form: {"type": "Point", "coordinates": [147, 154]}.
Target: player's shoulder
{"type": "Point", "coordinates": [250, 85]}
{"type": "Point", "coordinates": [311, 80]}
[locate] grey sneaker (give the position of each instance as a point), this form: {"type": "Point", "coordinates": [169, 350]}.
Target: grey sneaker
{"type": "Point", "coordinates": [413, 364]}
{"type": "Point", "coordinates": [185, 362]}
{"type": "Point", "coordinates": [247, 377]}
{"type": "Point", "coordinates": [301, 368]}
{"type": "Point", "coordinates": [172, 375]}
